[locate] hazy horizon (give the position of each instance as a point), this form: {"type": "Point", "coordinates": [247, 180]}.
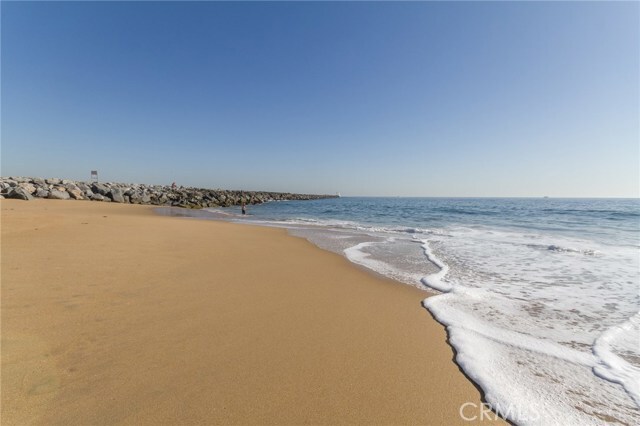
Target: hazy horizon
{"type": "Point", "coordinates": [367, 99]}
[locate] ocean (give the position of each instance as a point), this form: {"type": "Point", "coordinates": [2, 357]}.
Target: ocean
{"type": "Point", "coordinates": [540, 297]}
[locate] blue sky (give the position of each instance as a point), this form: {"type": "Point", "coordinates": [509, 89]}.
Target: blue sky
{"type": "Point", "coordinates": [410, 99]}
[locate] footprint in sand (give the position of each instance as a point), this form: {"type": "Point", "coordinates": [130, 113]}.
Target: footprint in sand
{"type": "Point", "coordinates": [30, 379]}
{"type": "Point", "coordinates": [41, 385]}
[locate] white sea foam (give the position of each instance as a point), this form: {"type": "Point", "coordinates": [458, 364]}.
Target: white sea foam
{"type": "Point", "coordinates": [533, 334]}
{"type": "Point", "coordinates": [358, 254]}
{"type": "Point", "coordinates": [348, 226]}
{"type": "Point", "coordinates": [435, 280]}
{"type": "Point", "coordinates": [614, 368]}
{"type": "Point", "coordinates": [218, 211]}
{"type": "Point", "coordinates": [530, 345]}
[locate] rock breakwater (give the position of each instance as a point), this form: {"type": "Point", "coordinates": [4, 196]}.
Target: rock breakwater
{"type": "Point", "coordinates": [28, 188]}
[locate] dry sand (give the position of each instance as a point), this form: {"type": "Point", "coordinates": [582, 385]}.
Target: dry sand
{"type": "Point", "coordinates": [111, 314]}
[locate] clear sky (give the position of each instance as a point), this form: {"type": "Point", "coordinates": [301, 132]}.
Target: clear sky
{"type": "Point", "coordinates": [410, 99]}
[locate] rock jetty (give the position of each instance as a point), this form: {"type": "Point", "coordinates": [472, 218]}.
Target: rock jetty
{"type": "Point", "coordinates": [27, 188]}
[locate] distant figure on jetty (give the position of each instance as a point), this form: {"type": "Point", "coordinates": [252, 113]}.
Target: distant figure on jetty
{"type": "Point", "coordinates": [244, 209]}
{"type": "Point", "coordinates": [173, 185]}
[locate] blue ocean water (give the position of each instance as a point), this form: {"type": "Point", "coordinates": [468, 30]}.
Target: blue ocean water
{"type": "Point", "coordinates": [608, 218]}
{"type": "Point", "coordinates": [540, 297]}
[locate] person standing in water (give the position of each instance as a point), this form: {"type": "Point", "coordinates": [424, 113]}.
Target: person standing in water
{"type": "Point", "coordinates": [244, 210]}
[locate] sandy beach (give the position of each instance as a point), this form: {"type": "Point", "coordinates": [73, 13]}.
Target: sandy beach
{"type": "Point", "coordinates": [112, 314]}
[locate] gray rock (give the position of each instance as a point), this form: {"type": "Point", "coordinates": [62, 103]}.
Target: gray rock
{"type": "Point", "coordinates": [28, 187]}
{"type": "Point", "coordinates": [139, 193]}
{"type": "Point", "coordinates": [116, 195]}
{"type": "Point", "coordinates": [70, 186]}
{"type": "Point", "coordinates": [134, 197]}
{"type": "Point", "coordinates": [58, 195]}
{"type": "Point", "coordinates": [42, 193]}
{"type": "Point", "coordinates": [20, 193]}
{"type": "Point", "coordinates": [76, 194]}
{"type": "Point", "coordinates": [99, 188]}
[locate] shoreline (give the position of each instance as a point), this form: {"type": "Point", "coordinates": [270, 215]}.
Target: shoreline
{"type": "Point", "coordinates": [112, 313]}
{"type": "Point", "coordinates": [428, 291]}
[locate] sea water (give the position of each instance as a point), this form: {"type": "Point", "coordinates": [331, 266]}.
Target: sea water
{"type": "Point", "coordinates": [540, 297]}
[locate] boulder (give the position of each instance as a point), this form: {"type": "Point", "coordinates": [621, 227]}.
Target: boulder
{"type": "Point", "coordinates": [53, 181]}
{"type": "Point", "coordinates": [99, 188]}
{"type": "Point", "coordinates": [97, 197]}
{"type": "Point", "coordinates": [76, 194]}
{"type": "Point", "coordinates": [116, 195]}
{"type": "Point", "coordinates": [55, 194]}
{"type": "Point", "coordinates": [70, 186]}
{"type": "Point", "coordinates": [20, 193]}
{"type": "Point", "coordinates": [28, 187]}
{"type": "Point", "coordinates": [42, 193]}
{"type": "Point", "coordinates": [135, 197]}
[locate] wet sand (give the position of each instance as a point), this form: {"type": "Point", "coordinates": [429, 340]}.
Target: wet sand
{"type": "Point", "coordinates": [112, 314]}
